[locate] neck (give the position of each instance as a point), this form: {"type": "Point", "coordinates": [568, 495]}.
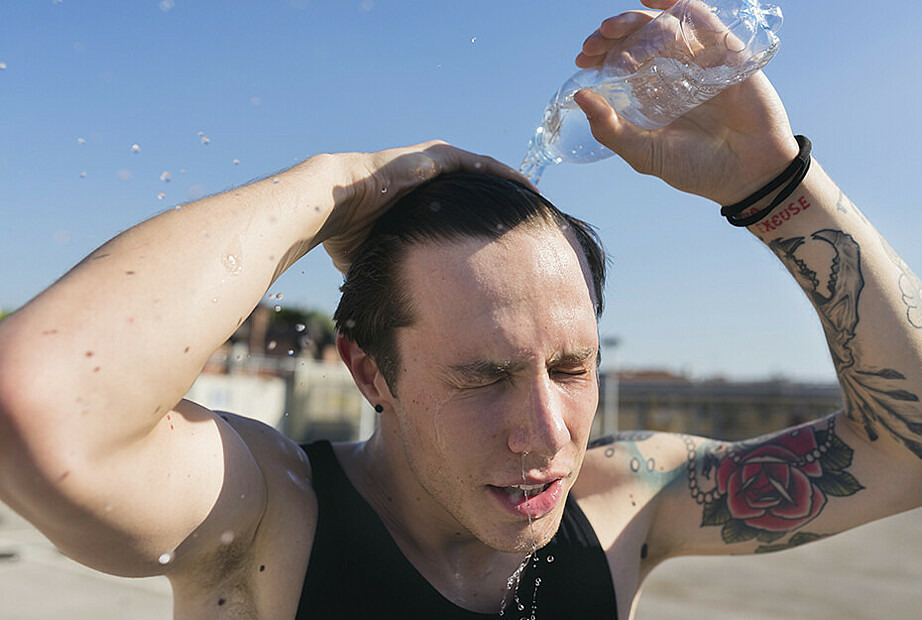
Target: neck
{"type": "Point", "coordinates": [465, 570]}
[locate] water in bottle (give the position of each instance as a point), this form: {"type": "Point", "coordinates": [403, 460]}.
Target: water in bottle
{"type": "Point", "coordinates": [685, 56]}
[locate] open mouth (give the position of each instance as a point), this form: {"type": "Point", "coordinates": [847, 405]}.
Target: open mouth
{"type": "Point", "coordinates": [529, 500]}
{"type": "Point", "coordinates": [522, 492]}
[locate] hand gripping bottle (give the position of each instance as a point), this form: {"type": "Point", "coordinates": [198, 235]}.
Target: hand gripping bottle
{"type": "Point", "coordinates": [685, 56]}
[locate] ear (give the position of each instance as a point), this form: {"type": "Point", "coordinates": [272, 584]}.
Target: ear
{"type": "Point", "coordinates": [364, 371]}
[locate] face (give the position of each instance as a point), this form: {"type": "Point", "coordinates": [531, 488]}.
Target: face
{"type": "Point", "coordinates": [497, 386]}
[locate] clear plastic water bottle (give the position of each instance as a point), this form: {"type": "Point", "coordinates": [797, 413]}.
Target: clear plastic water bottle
{"type": "Point", "coordinates": [676, 62]}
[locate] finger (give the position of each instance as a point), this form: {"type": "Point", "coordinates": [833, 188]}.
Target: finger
{"type": "Point", "coordinates": [611, 32]}
{"type": "Point", "coordinates": [458, 159]}
{"type": "Point", "coordinates": [661, 5]}
{"type": "Point", "coordinates": [625, 24]}
{"type": "Point", "coordinates": [625, 139]}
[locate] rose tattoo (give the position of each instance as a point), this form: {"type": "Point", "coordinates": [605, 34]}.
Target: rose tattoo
{"type": "Point", "coordinates": [767, 489]}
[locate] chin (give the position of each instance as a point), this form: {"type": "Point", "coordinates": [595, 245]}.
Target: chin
{"type": "Point", "coordinates": [526, 539]}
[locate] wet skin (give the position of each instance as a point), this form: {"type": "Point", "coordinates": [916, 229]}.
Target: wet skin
{"type": "Point", "coordinates": [497, 388]}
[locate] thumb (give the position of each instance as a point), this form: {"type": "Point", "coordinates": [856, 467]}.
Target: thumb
{"type": "Point", "coordinates": [625, 139]}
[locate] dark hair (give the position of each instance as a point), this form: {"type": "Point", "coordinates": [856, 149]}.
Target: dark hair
{"type": "Point", "coordinates": [449, 208]}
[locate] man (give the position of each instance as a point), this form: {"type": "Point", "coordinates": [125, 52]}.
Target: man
{"type": "Point", "coordinates": [486, 392]}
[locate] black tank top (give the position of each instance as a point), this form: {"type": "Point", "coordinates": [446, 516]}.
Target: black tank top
{"type": "Point", "coordinates": [356, 569]}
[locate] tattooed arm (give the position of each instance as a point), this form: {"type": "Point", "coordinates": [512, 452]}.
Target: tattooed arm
{"type": "Point", "coordinates": [855, 466]}
{"type": "Point", "coordinates": [860, 464]}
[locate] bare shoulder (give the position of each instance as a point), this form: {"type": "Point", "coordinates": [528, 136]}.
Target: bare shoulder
{"type": "Point", "coordinates": [258, 573]}
{"type": "Point", "coordinates": [620, 489]}
{"type": "Point", "coordinates": [287, 472]}
{"type": "Point", "coordinates": [623, 478]}
{"type": "Point", "coordinates": [632, 460]}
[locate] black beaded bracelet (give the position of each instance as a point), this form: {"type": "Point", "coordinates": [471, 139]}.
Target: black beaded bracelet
{"type": "Point", "coordinates": [792, 175]}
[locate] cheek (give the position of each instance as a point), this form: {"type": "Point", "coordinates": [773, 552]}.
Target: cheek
{"type": "Point", "coordinates": [468, 427]}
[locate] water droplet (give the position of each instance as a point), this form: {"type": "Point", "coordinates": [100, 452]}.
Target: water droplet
{"type": "Point", "coordinates": [205, 140]}
{"type": "Point", "coordinates": [135, 148]}
{"type": "Point", "coordinates": [236, 162]}
{"type": "Point", "coordinates": [473, 39]}
{"type": "Point", "coordinates": [214, 300]}
{"type": "Point", "coordinates": [291, 351]}
{"type": "Point", "coordinates": [232, 265]}
{"type": "Point", "coordinates": [275, 180]}
{"type": "Point", "coordinates": [277, 308]}
{"type": "Point", "coordinates": [272, 344]}
{"type": "Point", "coordinates": [165, 176]}
{"type": "Point", "coordinates": [478, 165]}
{"type": "Point", "coordinates": [537, 581]}
{"type": "Point", "coordinates": [227, 537]}
{"type": "Point", "coordinates": [300, 327]}
{"type": "Point", "coordinates": [161, 196]}
{"type": "Point", "coordinates": [165, 558]}
{"type": "Point", "coordinates": [81, 141]}
{"type": "Point", "coordinates": [83, 174]}
{"type": "Point", "coordinates": [278, 295]}
{"type": "Point", "coordinates": [550, 558]}
{"type": "Point", "coordinates": [350, 323]}
{"type": "Point", "coordinates": [2, 66]}
{"type": "Point", "coordinates": [383, 190]}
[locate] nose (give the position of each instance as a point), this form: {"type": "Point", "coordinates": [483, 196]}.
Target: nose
{"type": "Point", "coordinates": [540, 427]}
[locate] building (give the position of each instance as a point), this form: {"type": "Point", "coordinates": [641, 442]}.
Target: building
{"type": "Point", "coordinates": [717, 408]}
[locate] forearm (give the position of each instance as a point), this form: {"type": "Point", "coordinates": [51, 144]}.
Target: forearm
{"type": "Point", "coordinates": [128, 329]}
{"type": "Point", "coordinates": [863, 293]}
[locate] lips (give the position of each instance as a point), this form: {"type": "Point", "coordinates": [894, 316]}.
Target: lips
{"type": "Point", "coordinates": [529, 500]}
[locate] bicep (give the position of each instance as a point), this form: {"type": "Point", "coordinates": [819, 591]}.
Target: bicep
{"type": "Point", "coordinates": [781, 490]}
{"type": "Point", "coordinates": [147, 506]}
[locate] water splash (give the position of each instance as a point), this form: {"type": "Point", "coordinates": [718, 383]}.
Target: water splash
{"type": "Point", "coordinates": [515, 580]}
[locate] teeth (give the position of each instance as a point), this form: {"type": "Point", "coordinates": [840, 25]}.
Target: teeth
{"type": "Point", "coordinates": [525, 489]}
{"type": "Point", "coordinates": [528, 488]}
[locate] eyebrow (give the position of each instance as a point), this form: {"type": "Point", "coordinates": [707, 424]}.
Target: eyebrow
{"type": "Point", "coordinates": [485, 369]}
{"type": "Point", "coordinates": [488, 369]}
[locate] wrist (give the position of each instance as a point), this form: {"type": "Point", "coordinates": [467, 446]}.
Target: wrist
{"type": "Point", "coordinates": [763, 201]}
{"type": "Point", "coordinates": [773, 160]}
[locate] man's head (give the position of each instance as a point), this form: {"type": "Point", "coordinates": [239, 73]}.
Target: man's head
{"type": "Point", "coordinates": [470, 316]}
{"type": "Point", "coordinates": [375, 302]}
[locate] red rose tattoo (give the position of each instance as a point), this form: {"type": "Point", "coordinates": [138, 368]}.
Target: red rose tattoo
{"type": "Point", "coordinates": [771, 487]}
{"type": "Point", "coordinates": [766, 490]}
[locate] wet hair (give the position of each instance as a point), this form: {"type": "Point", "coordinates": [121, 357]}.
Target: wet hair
{"type": "Point", "coordinates": [450, 208]}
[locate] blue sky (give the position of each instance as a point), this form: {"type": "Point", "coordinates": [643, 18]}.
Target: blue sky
{"type": "Point", "coordinates": [269, 83]}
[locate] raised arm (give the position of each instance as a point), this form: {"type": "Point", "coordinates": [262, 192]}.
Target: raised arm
{"type": "Point", "coordinates": [860, 464]}
{"type": "Point", "coordinates": [96, 447]}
